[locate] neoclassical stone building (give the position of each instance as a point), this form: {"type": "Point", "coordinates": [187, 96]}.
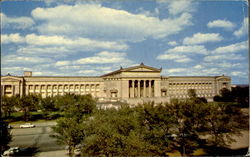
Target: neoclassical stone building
{"type": "Point", "coordinates": [132, 85]}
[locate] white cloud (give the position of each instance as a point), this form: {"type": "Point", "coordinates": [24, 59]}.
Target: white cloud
{"type": "Point", "coordinates": [210, 71]}
{"type": "Point", "coordinates": [243, 29]}
{"type": "Point", "coordinates": [14, 69]}
{"type": "Point", "coordinates": [238, 73]}
{"type": "Point", "coordinates": [223, 57]}
{"type": "Point", "coordinates": [105, 57]}
{"type": "Point", "coordinates": [175, 57]}
{"type": "Point", "coordinates": [179, 6]}
{"type": "Point", "coordinates": [55, 51]}
{"type": "Point", "coordinates": [181, 54]}
{"type": "Point", "coordinates": [172, 43]}
{"type": "Point", "coordinates": [221, 23]}
{"type": "Point", "coordinates": [196, 49]}
{"type": "Point", "coordinates": [87, 72]}
{"type": "Point", "coordinates": [16, 22]}
{"type": "Point", "coordinates": [198, 66]}
{"type": "Point", "coordinates": [199, 38]}
{"type": "Point", "coordinates": [176, 70]}
{"type": "Point", "coordinates": [55, 40]}
{"type": "Point", "coordinates": [92, 20]}
{"type": "Point", "coordinates": [232, 48]}
{"type": "Point", "coordinates": [62, 63]}
{"type": "Point", "coordinates": [12, 38]}
{"type": "Point", "coordinates": [16, 59]}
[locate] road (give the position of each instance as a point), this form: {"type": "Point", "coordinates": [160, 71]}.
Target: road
{"type": "Point", "coordinates": [37, 139]}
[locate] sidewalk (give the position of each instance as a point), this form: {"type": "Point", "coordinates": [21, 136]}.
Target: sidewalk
{"type": "Point", "coordinates": [58, 153]}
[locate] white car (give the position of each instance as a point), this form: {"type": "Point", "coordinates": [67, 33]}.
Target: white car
{"type": "Point", "coordinates": [27, 125]}
{"type": "Point", "coordinates": [11, 151]}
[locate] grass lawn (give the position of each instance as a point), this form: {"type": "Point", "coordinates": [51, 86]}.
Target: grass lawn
{"type": "Point", "coordinates": [17, 117]}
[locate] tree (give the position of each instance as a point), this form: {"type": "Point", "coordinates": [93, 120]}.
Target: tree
{"type": "Point", "coordinates": [47, 105]}
{"type": "Point", "coordinates": [241, 95]}
{"type": "Point", "coordinates": [8, 104]}
{"type": "Point", "coordinates": [189, 120]}
{"type": "Point", "coordinates": [226, 95]}
{"type": "Point", "coordinates": [68, 132]}
{"type": "Point", "coordinates": [192, 93]}
{"type": "Point", "coordinates": [70, 129]}
{"type": "Point", "coordinates": [27, 104]}
{"type": "Point", "coordinates": [223, 121]}
{"type": "Point", "coordinates": [156, 121]}
{"type": "Point", "coordinates": [115, 133]}
{"type": "Point", "coordinates": [5, 136]}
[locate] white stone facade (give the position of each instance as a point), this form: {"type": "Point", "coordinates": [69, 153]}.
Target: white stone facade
{"type": "Point", "coordinates": [131, 85]}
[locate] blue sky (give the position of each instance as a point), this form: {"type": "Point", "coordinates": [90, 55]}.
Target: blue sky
{"type": "Point", "coordinates": [91, 38]}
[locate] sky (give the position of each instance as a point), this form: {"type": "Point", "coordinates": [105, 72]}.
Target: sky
{"type": "Point", "coordinates": [92, 38]}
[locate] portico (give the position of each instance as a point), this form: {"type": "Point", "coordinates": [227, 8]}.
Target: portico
{"type": "Point", "coordinates": [141, 88]}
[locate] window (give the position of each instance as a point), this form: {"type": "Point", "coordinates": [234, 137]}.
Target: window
{"type": "Point", "coordinates": [113, 94]}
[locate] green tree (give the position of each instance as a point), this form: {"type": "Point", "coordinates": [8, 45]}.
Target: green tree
{"type": "Point", "coordinates": [68, 132]}
{"type": "Point", "coordinates": [157, 122]}
{"type": "Point", "coordinates": [8, 104]}
{"type": "Point", "coordinates": [223, 121]}
{"type": "Point", "coordinates": [5, 136]}
{"type": "Point", "coordinates": [192, 93]}
{"type": "Point", "coordinates": [189, 120]}
{"type": "Point", "coordinates": [47, 105]}
{"type": "Point", "coordinates": [226, 95]}
{"type": "Point", "coordinates": [70, 129]}
{"type": "Point", "coordinates": [115, 133]}
{"type": "Point", "coordinates": [27, 104]}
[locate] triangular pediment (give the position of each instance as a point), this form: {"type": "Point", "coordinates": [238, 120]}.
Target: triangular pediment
{"type": "Point", "coordinates": [10, 79]}
{"type": "Point", "coordinates": [139, 68]}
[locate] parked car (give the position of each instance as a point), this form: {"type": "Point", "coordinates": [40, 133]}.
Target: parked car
{"type": "Point", "coordinates": [27, 125]}
{"type": "Point", "coordinates": [11, 151]}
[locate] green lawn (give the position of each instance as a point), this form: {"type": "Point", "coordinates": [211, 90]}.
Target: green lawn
{"type": "Point", "coordinates": [17, 117]}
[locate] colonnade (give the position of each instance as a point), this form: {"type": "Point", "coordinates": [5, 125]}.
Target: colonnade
{"type": "Point", "coordinates": [61, 89]}
{"type": "Point", "coordinates": [8, 90]}
{"type": "Point", "coordinates": [141, 88]}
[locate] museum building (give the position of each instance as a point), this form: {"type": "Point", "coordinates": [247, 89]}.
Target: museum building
{"type": "Point", "coordinates": [135, 84]}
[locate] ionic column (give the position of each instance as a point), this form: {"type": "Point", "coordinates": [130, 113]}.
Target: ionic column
{"type": "Point", "coordinates": [133, 90]}
{"type": "Point", "coordinates": [79, 89]}
{"type": "Point", "coordinates": [85, 89]}
{"type": "Point", "coordinates": [144, 88]}
{"type": "Point", "coordinates": [46, 90]}
{"type": "Point", "coordinates": [90, 89]}
{"type": "Point", "coordinates": [150, 89]}
{"type": "Point", "coordinates": [95, 90]}
{"type": "Point", "coordinates": [139, 88]}
{"type": "Point", "coordinates": [12, 90]}
{"type": "Point", "coordinates": [26, 89]}
{"type": "Point", "coordinates": [57, 91]}
{"type": "Point", "coordinates": [69, 88]}
{"type": "Point", "coordinates": [3, 88]}
{"type": "Point", "coordinates": [63, 89]}
{"type": "Point", "coordinates": [21, 89]}
{"type": "Point", "coordinates": [52, 90]}
{"type": "Point", "coordinates": [34, 89]}
{"type": "Point", "coordinates": [40, 89]}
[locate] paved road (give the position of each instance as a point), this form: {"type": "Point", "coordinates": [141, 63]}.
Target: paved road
{"type": "Point", "coordinates": [37, 139]}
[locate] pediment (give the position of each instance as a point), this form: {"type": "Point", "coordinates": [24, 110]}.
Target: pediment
{"type": "Point", "coordinates": [139, 68]}
{"type": "Point", "coordinates": [223, 78]}
{"type": "Point", "coordinates": [10, 79]}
